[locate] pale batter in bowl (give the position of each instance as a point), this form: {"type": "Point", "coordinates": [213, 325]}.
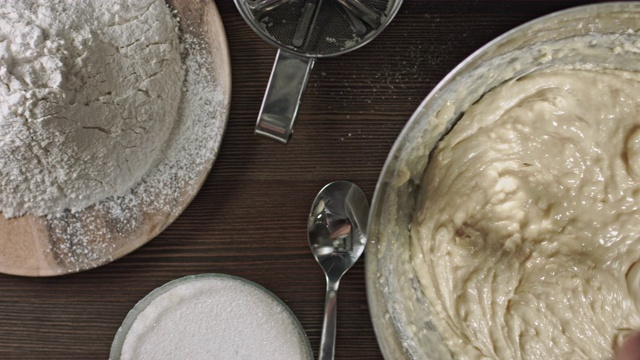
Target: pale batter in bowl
{"type": "Point", "coordinates": [530, 219]}
{"type": "Point", "coordinates": [502, 226]}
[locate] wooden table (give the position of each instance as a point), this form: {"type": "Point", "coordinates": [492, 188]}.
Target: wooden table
{"type": "Point", "coordinates": [249, 219]}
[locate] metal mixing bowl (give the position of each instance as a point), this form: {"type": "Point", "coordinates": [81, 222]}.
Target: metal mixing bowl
{"type": "Point", "coordinates": [401, 316]}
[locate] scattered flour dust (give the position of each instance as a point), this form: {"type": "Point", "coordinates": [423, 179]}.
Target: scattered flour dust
{"type": "Point", "coordinates": [94, 235]}
{"type": "Point", "coordinates": [89, 92]}
{"type": "Point", "coordinates": [211, 317]}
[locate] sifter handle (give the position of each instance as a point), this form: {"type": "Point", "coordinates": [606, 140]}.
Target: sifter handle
{"type": "Point", "coordinates": [288, 80]}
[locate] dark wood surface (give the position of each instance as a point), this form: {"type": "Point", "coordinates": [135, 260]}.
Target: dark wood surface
{"type": "Point", "coordinates": [249, 219]}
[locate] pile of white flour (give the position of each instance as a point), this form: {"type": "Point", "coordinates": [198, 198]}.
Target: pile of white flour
{"type": "Point", "coordinates": [89, 92]}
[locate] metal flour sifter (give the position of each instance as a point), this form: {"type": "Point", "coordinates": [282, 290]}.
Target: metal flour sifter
{"type": "Point", "coordinates": [303, 31]}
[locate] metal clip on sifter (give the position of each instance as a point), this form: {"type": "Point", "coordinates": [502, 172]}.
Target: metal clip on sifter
{"type": "Point", "coordinates": [303, 31]}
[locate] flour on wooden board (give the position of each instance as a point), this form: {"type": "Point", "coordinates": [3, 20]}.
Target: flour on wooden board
{"type": "Point", "coordinates": [79, 238]}
{"type": "Point", "coordinates": [89, 92]}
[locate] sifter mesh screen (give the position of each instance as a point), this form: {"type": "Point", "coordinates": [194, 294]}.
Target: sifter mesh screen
{"type": "Point", "coordinates": [330, 32]}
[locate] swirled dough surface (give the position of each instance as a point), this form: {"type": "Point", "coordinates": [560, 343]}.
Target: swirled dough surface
{"type": "Point", "coordinates": [529, 225]}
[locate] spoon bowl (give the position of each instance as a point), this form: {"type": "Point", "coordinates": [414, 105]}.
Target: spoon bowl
{"type": "Point", "coordinates": [337, 237]}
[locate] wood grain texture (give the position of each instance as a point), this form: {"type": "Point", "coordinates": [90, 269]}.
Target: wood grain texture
{"type": "Point", "coordinates": [94, 236]}
{"type": "Point", "coordinates": [249, 219]}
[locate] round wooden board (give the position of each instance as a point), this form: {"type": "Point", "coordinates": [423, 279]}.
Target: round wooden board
{"type": "Point", "coordinates": [99, 234]}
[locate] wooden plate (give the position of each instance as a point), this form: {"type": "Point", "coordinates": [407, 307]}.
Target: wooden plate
{"type": "Point", "coordinates": [72, 242]}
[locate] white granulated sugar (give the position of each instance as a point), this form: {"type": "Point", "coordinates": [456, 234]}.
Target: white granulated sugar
{"type": "Point", "coordinates": [89, 91]}
{"type": "Point", "coordinates": [214, 318]}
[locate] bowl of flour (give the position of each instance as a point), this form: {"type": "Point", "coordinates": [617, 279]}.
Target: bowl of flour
{"type": "Point", "coordinates": [504, 224]}
{"type": "Point", "coordinates": [211, 316]}
{"type": "Point", "coordinates": [111, 116]}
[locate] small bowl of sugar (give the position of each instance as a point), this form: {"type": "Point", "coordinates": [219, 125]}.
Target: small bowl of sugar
{"type": "Point", "coordinates": [210, 316]}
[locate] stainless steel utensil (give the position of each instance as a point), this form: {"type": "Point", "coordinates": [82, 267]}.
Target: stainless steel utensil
{"type": "Point", "coordinates": [261, 7]}
{"type": "Point", "coordinates": [364, 11]}
{"type": "Point", "coordinates": [337, 236]}
{"type": "Point", "coordinates": [303, 31]}
{"type": "Point", "coordinates": [304, 24]}
{"type": "Point", "coordinates": [356, 24]}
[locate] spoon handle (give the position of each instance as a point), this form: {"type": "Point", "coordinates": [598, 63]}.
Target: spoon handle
{"type": "Point", "coordinates": [328, 340]}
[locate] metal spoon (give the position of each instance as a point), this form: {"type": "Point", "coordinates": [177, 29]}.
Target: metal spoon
{"type": "Point", "coordinates": [336, 231]}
